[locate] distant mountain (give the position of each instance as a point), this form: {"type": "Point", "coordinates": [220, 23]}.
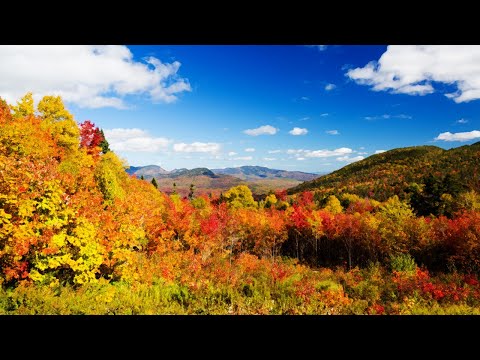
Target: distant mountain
{"type": "Point", "coordinates": [157, 172]}
{"type": "Point", "coordinates": [259, 172]}
{"type": "Point", "coordinates": [394, 172]}
{"type": "Point", "coordinates": [260, 179]}
{"type": "Point", "coordinates": [148, 171]}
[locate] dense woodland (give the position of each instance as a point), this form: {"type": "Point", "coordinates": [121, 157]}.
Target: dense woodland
{"type": "Point", "coordinates": [396, 233]}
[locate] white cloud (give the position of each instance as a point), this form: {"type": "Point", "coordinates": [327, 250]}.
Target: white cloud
{"type": "Point", "coordinates": [243, 158]}
{"type": "Point", "coordinates": [411, 69]}
{"type": "Point", "coordinates": [262, 130]}
{"type": "Point", "coordinates": [274, 151]}
{"type": "Point", "coordinates": [388, 116]}
{"type": "Point", "coordinates": [298, 131]}
{"type": "Point", "coordinates": [379, 151]}
{"type": "Point", "coordinates": [460, 136]}
{"type": "Point", "coordinates": [250, 150]}
{"type": "Point", "coordinates": [305, 118]}
{"type": "Point", "coordinates": [329, 153]}
{"type": "Point", "coordinates": [301, 158]}
{"type": "Point", "coordinates": [462, 121]}
{"type": "Point", "coordinates": [197, 147]}
{"type": "Point", "coordinates": [330, 87]}
{"type": "Point", "coordinates": [232, 153]}
{"type": "Point", "coordinates": [294, 151]}
{"type": "Point", "coordinates": [87, 75]}
{"type": "Point", "coordinates": [332, 132]}
{"type": "Point", "coordinates": [318, 47]}
{"type": "Point", "coordinates": [269, 159]}
{"type": "Point", "coordinates": [324, 114]}
{"type": "Point", "coordinates": [324, 153]}
{"type": "Point", "coordinates": [305, 98]}
{"type": "Point", "coordinates": [135, 140]}
{"type": "Point", "coordinates": [349, 159]}
{"type": "Point", "coordinates": [362, 153]}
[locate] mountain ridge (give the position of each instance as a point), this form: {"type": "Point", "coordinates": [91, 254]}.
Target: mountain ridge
{"type": "Point", "coordinates": [393, 172]}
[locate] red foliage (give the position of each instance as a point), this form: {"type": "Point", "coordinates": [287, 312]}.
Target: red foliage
{"type": "Point", "coordinates": [90, 136]}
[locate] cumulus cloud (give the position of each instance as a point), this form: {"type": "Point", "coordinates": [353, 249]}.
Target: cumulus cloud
{"type": "Point", "coordinates": [274, 151]}
{"type": "Point", "coordinates": [135, 140]}
{"type": "Point", "coordinates": [301, 158]}
{"type": "Point", "coordinates": [250, 150]}
{"type": "Point", "coordinates": [246, 158]}
{"type": "Point", "coordinates": [412, 69]}
{"type": "Point", "coordinates": [197, 147]}
{"type": "Point", "coordinates": [232, 153]}
{"type": "Point", "coordinates": [379, 151]}
{"type": "Point", "coordinates": [330, 87]}
{"type": "Point", "coordinates": [350, 159]}
{"type": "Point", "coordinates": [269, 159]}
{"type": "Point", "coordinates": [262, 130]}
{"type": "Point", "coordinates": [332, 132]}
{"type": "Point", "coordinates": [87, 75]}
{"type": "Point", "coordinates": [298, 131]}
{"type": "Point", "coordinates": [460, 136]}
{"type": "Point", "coordinates": [462, 121]}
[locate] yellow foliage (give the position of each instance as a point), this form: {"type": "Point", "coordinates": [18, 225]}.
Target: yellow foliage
{"type": "Point", "coordinates": [240, 197]}
{"type": "Point", "coordinates": [333, 205]}
{"type": "Point", "coordinates": [24, 106]}
{"type": "Point", "coordinates": [60, 122]}
{"type": "Point", "coordinates": [110, 176]}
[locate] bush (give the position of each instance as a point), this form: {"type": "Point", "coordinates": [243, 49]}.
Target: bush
{"type": "Point", "coordinates": [403, 263]}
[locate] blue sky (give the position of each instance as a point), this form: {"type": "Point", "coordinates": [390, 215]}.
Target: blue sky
{"type": "Point", "coordinates": [307, 108]}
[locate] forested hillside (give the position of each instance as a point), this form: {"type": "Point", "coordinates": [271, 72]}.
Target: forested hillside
{"type": "Point", "coordinates": [420, 175]}
{"type": "Point", "coordinates": [78, 235]}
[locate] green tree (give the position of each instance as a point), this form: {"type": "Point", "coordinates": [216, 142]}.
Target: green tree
{"type": "Point", "coordinates": [141, 177]}
{"type": "Point", "coordinates": [154, 183]}
{"type": "Point", "coordinates": [191, 192]}
{"type": "Point", "coordinates": [104, 144]}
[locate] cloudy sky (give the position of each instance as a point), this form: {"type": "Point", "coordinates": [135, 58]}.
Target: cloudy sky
{"type": "Point", "coordinates": [310, 108]}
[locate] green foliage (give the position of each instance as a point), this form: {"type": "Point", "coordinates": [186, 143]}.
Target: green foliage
{"type": "Point", "coordinates": [154, 183]}
{"type": "Point", "coordinates": [104, 144]}
{"type": "Point", "coordinates": [403, 262]}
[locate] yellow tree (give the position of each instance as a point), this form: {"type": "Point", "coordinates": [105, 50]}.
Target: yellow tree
{"type": "Point", "coordinates": [240, 197]}
{"type": "Point", "coordinates": [60, 122]}
{"type": "Point", "coordinates": [24, 106]}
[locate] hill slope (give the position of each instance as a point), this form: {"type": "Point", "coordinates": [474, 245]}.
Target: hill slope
{"type": "Point", "coordinates": [393, 172]}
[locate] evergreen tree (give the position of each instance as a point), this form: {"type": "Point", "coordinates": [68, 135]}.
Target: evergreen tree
{"type": "Point", "coordinates": [174, 189]}
{"type": "Point", "coordinates": [142, 178]}
{"type": "Point", "coordinates": [154, 183]}
{"type": "Point", "coordinates": [192, 191]}
{"type": "Point", "coordinates": [104, 144]}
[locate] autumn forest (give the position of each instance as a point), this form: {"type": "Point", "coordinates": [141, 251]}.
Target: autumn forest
{"type": "Point", "coordinates": [395, 233]}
